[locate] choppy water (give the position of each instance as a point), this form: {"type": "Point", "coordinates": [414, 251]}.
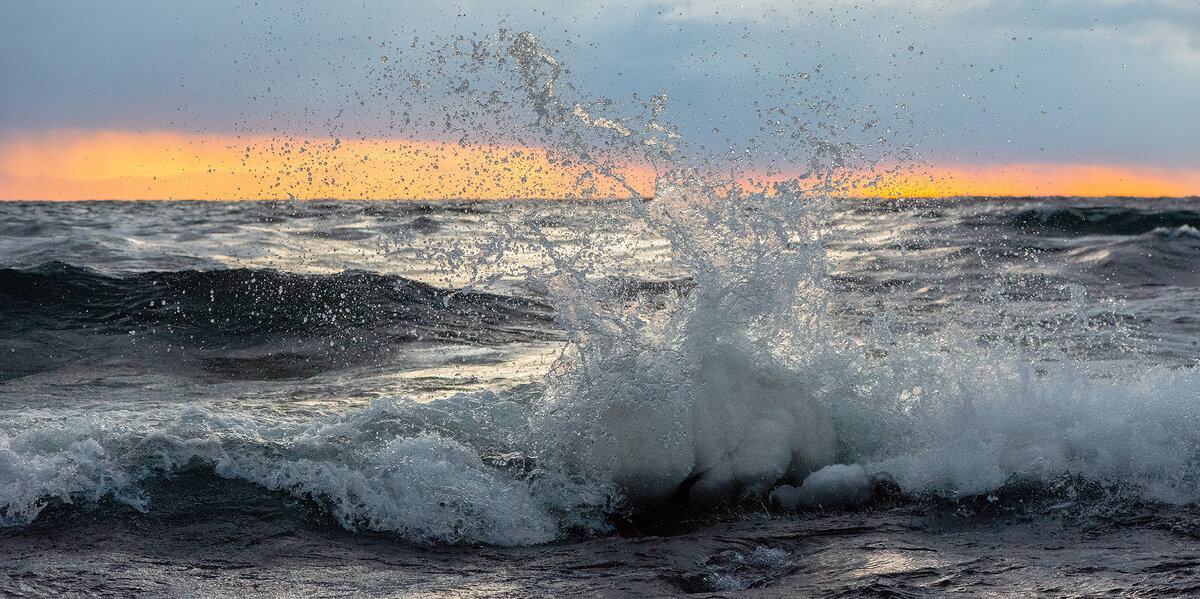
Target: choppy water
{"type": "Point", "coordinates": [740, 393]}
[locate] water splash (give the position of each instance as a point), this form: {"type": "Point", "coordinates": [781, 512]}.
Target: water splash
{"type": "Point", "coordinates": [717, 371]}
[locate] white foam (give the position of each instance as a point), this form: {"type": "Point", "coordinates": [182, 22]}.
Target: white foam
{"type": "Point", "coordinates": [696, 395]}
{"type": "Point", "coordinates": [746, 385]}
{"type": "Point", "coordinates": [1181, 231]}
{"type": "Point", "coordinates": [426, 488]}
{"type": "Point", "coordinates": [1011, 421]}
{"type": "Point", "coordinates": [363, 467]}
{"type": "Point", "coordinates": [833, 486]}
{"type": "Point", "coordinates": [45, 463]}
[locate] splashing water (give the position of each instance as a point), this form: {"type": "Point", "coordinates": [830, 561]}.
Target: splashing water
{"type": "Point", "coordinates": [747, 381]}
{"type": "Point", "coordinates": [708, 357]}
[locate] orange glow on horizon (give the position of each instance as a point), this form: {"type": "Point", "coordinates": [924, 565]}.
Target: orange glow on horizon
{"type": "Point", "coordinates": [1036, 179]}
{"type": "Point", "coordinates": [84, 165]}
{"type": "Point", "coordinates": [118, 165]}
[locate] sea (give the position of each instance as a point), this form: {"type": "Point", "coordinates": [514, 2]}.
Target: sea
{"type": "Point", "coordinates": [720, 393]}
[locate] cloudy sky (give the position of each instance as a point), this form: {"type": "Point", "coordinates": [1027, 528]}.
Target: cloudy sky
{"type": "Point", "coordinates": [1088, 83]}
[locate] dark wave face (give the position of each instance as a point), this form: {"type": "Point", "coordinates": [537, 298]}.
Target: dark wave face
{"type": "Point", "coordinates": [244, 323]}
{"type": "Point", "coordinates": [1100, 220]}
{"type": "Point", "coordinates": [1159, 258]}
{"type": "Point", "coordinates": [1126, 244]}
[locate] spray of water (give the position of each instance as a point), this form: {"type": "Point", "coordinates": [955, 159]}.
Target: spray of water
{"type": "Point", "coordinates": [745, 383]}
{"type": "Point", "coordinates": [714, 372]}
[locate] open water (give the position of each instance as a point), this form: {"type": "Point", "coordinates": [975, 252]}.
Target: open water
{"type": "Point", "coordinates": [731, 394]}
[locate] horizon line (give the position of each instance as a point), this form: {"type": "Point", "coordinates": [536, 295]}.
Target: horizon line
{"type": "Point", "coordinates": [608, 198]}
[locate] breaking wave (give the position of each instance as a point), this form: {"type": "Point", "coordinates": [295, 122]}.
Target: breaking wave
{"type": "Point", "coordinates": [738, 387]}
{"type": "Point", "coordinates": [733, 384]}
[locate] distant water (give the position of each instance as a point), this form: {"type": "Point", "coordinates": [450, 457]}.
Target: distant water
{"type": "Point", "coordinates": [765, 394]}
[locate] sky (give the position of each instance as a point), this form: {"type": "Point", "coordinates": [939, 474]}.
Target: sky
{"type": "Point", "coordinates": [162, 99]}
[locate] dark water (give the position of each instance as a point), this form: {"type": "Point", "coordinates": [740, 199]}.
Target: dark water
{"type": "Point", "coordinates": [761, 396]}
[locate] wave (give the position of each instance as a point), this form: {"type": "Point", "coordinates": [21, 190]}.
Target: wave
{"type": "Point", "coordinates": [1100, 220]}
{"type": "Point", "coordinates": [289, 320]}
{"type": "Point", "coordinates": [914, 425]}
{"type": "Point", "coordinates": [1182, 231]}
{"type": "Point", "coordinates": [1160, 257]}
{"type": "Point", "coordinates": [442, 472]}
{"type": "Point", "coordinates": [747, 387]}
{"type": "Point", "coordinates": [733, 385]}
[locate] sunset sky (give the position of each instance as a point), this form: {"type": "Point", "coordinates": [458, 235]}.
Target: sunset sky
{"type": "Point", "coordinates": [273, 99]}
